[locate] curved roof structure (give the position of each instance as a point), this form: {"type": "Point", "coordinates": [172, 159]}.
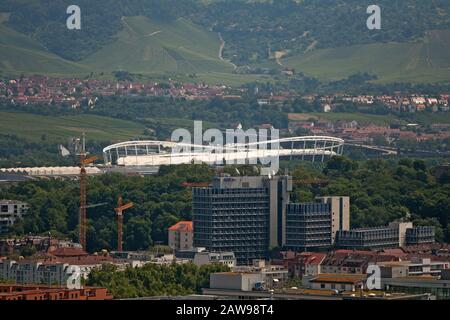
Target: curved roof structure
{"type": "Point", "coordinates": [157, 153]}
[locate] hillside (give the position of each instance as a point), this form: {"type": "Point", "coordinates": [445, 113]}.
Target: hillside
{"type": "Point", "coordinates": [180, 38]}
{"type": "Point", "coordinates": [19, 53]}
{"type": "Point", "coordinates": [422, 61]}
{"type": "Point", "coordinates": [150, 46]}
{"type": "Point", "coordinates": [143, 46]}
{"type": "Point", "coordinates": [31, 127]}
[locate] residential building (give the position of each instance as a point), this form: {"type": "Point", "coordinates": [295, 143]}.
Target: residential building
{"type": "Point", "coordinates": [272, 275]}
{"type": "Point", "coordinates": [40, 292]}
{"type": "Point", "coordinates": [50, 270]}
{"type": "Point", "coordinates": [236, 281]}
{"type": "Point", "coordinates": [352, 262]}
{"type": "Point", "coordinates": [415, 267]}
{"type": "Point", "coordinates": [10, 212]}
{"type": "Point", "coordinates": [181, 236]}
{"type": "Point", "coordinates": [204, 257]}
{"type": "Point", "coordinates": [339, 282]}
{"type": "Point", "coordinates": [244, 215]}
{"type": "Point", "coordinates": [301, 264]}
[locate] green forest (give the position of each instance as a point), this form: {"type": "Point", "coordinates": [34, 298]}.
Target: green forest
{"type": "Point", "coordinates": [381, 191]}
{"type": "Point", "coordinates": [154, 280]}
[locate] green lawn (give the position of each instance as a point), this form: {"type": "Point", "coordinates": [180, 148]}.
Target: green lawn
{"type": "Point", "coordinates": [33, 127]}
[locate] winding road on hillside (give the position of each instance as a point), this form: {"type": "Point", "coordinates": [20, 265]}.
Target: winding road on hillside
{"type": "Point", "coordinates": [222, 47]}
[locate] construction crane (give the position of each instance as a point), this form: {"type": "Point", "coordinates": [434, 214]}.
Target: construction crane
{"type": "Point", "coordinates": [312, 181]}
{"type": "Point", "coordinates": [84, 161]}
{"type": "Point", "coordinates": [119, 211]}
{"type": "Point", "coordinates": [195, 184]}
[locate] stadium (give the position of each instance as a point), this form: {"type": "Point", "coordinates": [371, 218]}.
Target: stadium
{"type": "Point", "coordinates": [158, 153]}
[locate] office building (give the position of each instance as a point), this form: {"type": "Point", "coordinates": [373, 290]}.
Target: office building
{"type": "Point", "coordinates": [313, 226]}
{"type": "Point", "coordinates": [181, 236]}
{"type": "Point", "coordinates": [397, 234]}
{"type": "Point", "coordinates": [244, 215]}
{"type": "Point", "coordinates": [10, 212]}
{"type": "Point", "coordinates": [420, 235]}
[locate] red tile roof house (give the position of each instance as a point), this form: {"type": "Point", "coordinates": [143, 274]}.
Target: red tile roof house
{"type": "Point", "coordinates": [301, 264]}
{"type": "Point", "coordinates": [181, 236]}
{"type": "Point", "coordinates": [352, 262]}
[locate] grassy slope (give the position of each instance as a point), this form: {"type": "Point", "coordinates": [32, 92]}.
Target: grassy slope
{"type": "Point", "coordinates": [427, 61]}
{"type": "Point", "coordinates": [32, 127]}
{"type": "Point", "coordinates": [19, 53]}
{"type": "Point", "coordinates": [146, 46]}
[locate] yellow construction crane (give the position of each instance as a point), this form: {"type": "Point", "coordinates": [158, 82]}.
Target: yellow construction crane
{"type": "Point", "coordinates": [84, 161]}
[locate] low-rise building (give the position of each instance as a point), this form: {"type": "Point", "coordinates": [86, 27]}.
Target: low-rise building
{"type": "Point", "coordinates": [415, 267]}
{"type": "Point", "coordinates": [339, 282]}
{"type": "Point", "coordinates": [40, 292]}
{"type": "Point", "coordinates": [242, 281]}
{"type": "Point", "coordinates": [302, 264]}
{"type": "Point", "coordinates": [10, 212]}
{"type": "Point", "coordinates": [181, 236]}
{"type": "Point", "coordinates": [205, 257]}
{"type": "Point", "coordinates": [273, 276]}
{"type": "Point", "coordinates": [396, 234]}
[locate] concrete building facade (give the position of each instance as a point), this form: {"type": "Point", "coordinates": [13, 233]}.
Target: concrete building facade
{"type": "Point", "coordinates": [311, 226]}
{"type": "Point", "coordinates": [10, 212]}
{"type": "Point", "coordinates": [181, 236]}
{"type": "Point", "coordinates": [244, 215]}
{"type": "Point", "coordinates": [396, 234]}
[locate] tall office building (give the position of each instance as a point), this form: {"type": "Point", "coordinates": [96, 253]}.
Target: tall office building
{"type": "Point", "coordinates": [245, 215]}
{"type": "Point", "coordinates": [313, 226]}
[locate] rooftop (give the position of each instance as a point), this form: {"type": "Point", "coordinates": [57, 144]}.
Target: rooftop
{"type": "Point", "coordinates": [185, 226]}
{"type": "Point", "coordinates": [340, 278]}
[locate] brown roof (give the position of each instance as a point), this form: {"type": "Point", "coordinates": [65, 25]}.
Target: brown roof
{"type": "Point", "coordinates": [185, 226]}
{"type": "Point", "coordinates": [340, 278]}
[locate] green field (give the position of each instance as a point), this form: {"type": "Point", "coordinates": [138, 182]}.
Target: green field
{"type": "Point", "coordinates": [33, 127]}
{"type": "Point", "coordinates": [425, 61]}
